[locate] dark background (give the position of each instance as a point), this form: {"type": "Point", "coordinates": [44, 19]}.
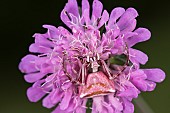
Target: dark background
{"type": "Point", "coordinates": [20, 19]}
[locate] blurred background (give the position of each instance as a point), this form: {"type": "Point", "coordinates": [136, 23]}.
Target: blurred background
{"type": "Point", "coordinates": [20, 19]}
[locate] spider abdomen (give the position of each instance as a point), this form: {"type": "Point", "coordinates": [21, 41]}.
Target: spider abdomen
{"type": "Point", "coordinates": [96, 84]}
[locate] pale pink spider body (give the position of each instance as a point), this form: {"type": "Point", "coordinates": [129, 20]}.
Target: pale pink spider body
{"type": "Point", "coordinates": [96, 84]}
{"type": "Point", "coordinates": [95, 78]}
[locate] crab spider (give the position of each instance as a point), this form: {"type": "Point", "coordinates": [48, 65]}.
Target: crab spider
{"type": "Point", "coordinates": [94, 77]}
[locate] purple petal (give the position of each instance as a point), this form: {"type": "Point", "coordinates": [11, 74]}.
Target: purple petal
{"type": "Point", "coordinates": [86, 11]}
{"type": "Point", "coordinates": [115, 33]}
{"type": "Point", "coordinates": [104, 18]}
{"type": "Point", "coordinates": [66, 100]}
{"type": "Point", "coordinates": [85, 5]}
{"type": "Point", "coordinates": [66, 85]}
{"type": "Point", "coordinates": [86, 17]}
{"type": "Point", "coordinates": [155, 75]}
{"type": "Point", "coordinates": [58, 110]}
{"type": "Point", "coordinates": [127, 18]}
{"type": "Point", "coordinates": [35, 92]}
{"type": "Point", "coordinates": [71, 8]}
{"type": "Point", "coordinates": [129, 92]}
{"type": "Point", "coordinates": [150, 85]}
{"type": "Point", "coordinates": [64, 31]}
{"type": "Point", "coordinates": [143, 35]}
{"type": "Point", "coordinates": [105, 56]}
{"type": "Point", "coordinates": [72, 106]}
{"type": "Point", "coordinates": [138, 79]}
{"type": "Point", "coordinates": [138, 74]}
{"type": "Point", "coordinates": [36, 48]}
{"type": "Point", "coordinates": [115, 102]}
{"type": "Point", "coordinates": [119, 45]}
{"type": "Point", "coordinates": [97, 105]}
{"type": "Point", "coordinates": [41, 40]}
{"type": "Point", "coordinates": [129, 34]}
{"type": "Point", "coordinates": [53, 32]}
{"type": "Point", "coordinates": [40, 61]}
{"type": "Point", "coordinates": [56, 96]}
{"type": "Point", "coordinates": [138, 56]}
{"type": "Point", "coordinates": [33, 77]}
{"type": "Point", "coordinates": [65, 18]}
{"type": "Point", "coordinates": [47, 101]}
{"type": "Point", "coordinates": [97, 9]}
{"type": "Point", "coordinates": [115, 14]}
{"type": "Point", "coordinates": [129, 27]}
{"type": "Point", "coordinates": [140, 84]}
{"type": "Point", "coordinates": [104, 41]}
{"type": "Point", "coordinates": [128, 106]}
{"type": "Point", "coordinates": [107, 108]}
{"type": "Point", "coordinates": [80, 110]}
{"type": "Point", "coordinates": [47, 68]}
{"type": "Point", "coordinates": [99, 49]}
{"type": "Point", "coordinates": [114, 51]}
{"type": "Point", "coordinates": [27, 64]}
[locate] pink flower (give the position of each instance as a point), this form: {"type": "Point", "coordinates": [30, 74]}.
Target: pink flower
{"type": "Point", "coordinates": [72, 67]}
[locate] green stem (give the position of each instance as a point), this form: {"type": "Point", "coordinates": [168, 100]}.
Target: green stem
{"type": "Point", "coordinates": [142, 105]}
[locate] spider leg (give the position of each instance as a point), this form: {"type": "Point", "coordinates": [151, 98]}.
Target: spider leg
{"type": "Point", "coordinates": [68, 75]}
{"type": "Point", "coordinates": [127, 60]}
{"type": "Point", "coordinates": [106, 69]}
{"type": "Point", "coordinates": [82, 74]}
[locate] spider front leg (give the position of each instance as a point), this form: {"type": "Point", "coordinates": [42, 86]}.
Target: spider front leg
{"type": "Point", "coordinates": [68, 75]}
{"type": "Point", "coordinates": [82, 74]}
{"type": "Point", "coordinates": [106, 69]}
{"type": "Point", "coordinates": [127, 60]}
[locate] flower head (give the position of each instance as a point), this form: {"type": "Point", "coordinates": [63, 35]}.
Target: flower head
{"type": "Point", "coordinates": [74, 67]}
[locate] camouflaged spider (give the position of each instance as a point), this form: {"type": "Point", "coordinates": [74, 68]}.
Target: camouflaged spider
{"type": "Point", "coordinates": [95, 77]}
